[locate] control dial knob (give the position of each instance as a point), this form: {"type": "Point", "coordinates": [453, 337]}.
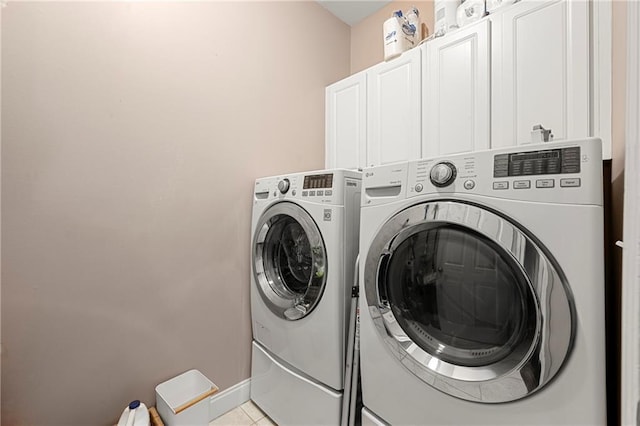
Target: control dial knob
{"type": "Point", "coordinates": [443, 174]}
{"type": "Point", "coordinates": [283, 186]}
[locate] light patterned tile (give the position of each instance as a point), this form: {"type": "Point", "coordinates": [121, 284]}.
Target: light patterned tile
{"type": "Point", "coordinates": [235, 417]}
{"type": "Point", "coordinates": [265, 421]}
{"type": "Point", "coordinates": [252, 411]}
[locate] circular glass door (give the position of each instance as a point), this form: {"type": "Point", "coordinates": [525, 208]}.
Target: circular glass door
{"type": "Point", "coordinates": [289, 261]}
{"type": "Point", "coordinates": [468, 302]}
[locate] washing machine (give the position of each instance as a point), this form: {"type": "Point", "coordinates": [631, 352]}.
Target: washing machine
{"type": "Point", "coordinates": [482, 288]}
{"type": "Point", "coordinates": [304, 246]}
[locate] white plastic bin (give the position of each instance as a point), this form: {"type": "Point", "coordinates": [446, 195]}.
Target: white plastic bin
{"type": "Point", "coordinates": [185, 400]}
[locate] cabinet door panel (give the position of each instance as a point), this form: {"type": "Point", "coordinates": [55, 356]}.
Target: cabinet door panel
{"type": "Point", "coordinates": [346, 123]}
{"type": "Point", "coordinates": [456, 98]}
{"type": "Point", "coordinates": [543, 57]}
{"type": "Point", "coordinates": [393, 118]}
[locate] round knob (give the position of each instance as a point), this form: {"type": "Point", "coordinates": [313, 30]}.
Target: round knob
{"type": "Point", "coordinates": [419, 187]}
{"type": "Point", "coordinates": [283, 186]}
{"type": "Point", "coordinates": [442, 174]}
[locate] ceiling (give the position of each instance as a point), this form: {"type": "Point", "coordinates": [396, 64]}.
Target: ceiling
{"type": "Point", "coordinates": [352, 11]}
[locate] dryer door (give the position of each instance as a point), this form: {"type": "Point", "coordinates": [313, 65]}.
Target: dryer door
{"type": "Point", "coordinates": [468, 301]}
{"type": "Point", "coordinates": [289, 261]}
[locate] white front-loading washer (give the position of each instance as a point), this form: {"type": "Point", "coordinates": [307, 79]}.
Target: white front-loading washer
{"type": "Point", "coordinates": [482, 288]}
{"type": "Point", "coordinates": [304, 246]}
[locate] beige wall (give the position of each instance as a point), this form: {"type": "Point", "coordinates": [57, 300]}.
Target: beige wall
{"type": "Point", "coordinates": [366, 36]}
{"type": "Point", "coordinates": [132, 135]}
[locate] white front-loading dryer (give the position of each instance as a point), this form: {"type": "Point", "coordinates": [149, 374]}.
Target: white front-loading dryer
{"type": "Point", "coordinates": [304, 246]}
{"type": "Point", "coordinates": [482, 288]}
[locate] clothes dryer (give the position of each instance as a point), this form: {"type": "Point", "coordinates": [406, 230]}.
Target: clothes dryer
{"type": "Point", "coordinates": [482, 288]}
{"type": "Point", "coordinates": [304, 246]}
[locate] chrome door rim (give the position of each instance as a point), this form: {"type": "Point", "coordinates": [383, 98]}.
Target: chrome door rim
{"type": "Point", "coordinates": [281, 301]}
{"type": "Point", "coordinates": [524, 371]}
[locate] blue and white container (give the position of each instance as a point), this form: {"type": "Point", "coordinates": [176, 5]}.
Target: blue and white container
{"type": "Point", "coordinates": [394, 41]}
{"type": "Point", "coordinates": [413, 18]}
{"type": "Point", "coordinates": [136, 414]}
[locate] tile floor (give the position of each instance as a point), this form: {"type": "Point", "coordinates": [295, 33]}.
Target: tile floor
{"type": "Point", "coordinates": [248, 414]}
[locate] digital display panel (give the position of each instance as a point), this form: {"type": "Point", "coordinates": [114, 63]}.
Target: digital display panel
{"type": "Point", "coordinates": [318, 181]}
{"type": "Point", "coordinates": [536, 155]}
{"type": "Point", "coordinates": [546, 162]}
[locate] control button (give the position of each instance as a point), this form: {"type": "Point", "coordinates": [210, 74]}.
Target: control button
{"type": "Point", "coordinates": [469, 184]}
{"type": "Point", "coordinates": [305, 193]}
{"type": "Point", "coordinates": [283, 185]}
{"type": "Point", "coordinates": [501, 185]}
{"type": "Point", "coordinates": [521, 184]}
{"type": "Point", "coordinates": [312, 193]}
{"type": "Point", "coordinates": [570, 182]}
{"type": "Point", "coordinates": [545, 183]}
{"type": "Point", "coordinates": [419, 187]}
{"type": "Point", "coordinates": [320, 193]}
{"type": "Point", "coordinates": [328, 192]}
{"type": "Point", "coordinates": [442, 174]}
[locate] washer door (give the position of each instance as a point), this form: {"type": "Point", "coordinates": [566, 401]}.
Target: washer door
{"type": "Point", "coordinates": [289, 261]}
{"type": "Point", "coordinates": [468, 301]}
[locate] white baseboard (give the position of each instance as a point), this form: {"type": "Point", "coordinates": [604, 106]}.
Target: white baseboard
{"type": "Point", "coordinates": [230, 398]}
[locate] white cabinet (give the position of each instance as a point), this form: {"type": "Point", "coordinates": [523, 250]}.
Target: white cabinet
{"type": "Point", "coordinates": [373, 117]}
{"type": "Point", "coordinates": [394, 109]}
{"type": "Point", "coordinates": [456, 93]}
{"type": "Point", "coordinates": [483, 86]}
{"type": "Point", "coordinates": [346, 123]}
{"type": "Point", "coordinates": [540, 54]}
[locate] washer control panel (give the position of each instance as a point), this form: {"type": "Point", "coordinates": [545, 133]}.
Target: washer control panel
{"type": "Point", "coordinates": [325, 186]}
{"type": "Point", "coordinates": [550, 172]}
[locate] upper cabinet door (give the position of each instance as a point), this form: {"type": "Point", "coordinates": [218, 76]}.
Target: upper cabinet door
{"type": "Point", "coordinates": [456, 93]}
{"type": "Point", "coordinates": [346, 123]}
{"type": "Point", "coordinates": [540, 71]}
{"type": "Point", "coordinates": [394, 117]}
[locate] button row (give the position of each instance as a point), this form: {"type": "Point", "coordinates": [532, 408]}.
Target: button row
{"type": "Point", "coordinates": [468, 184]}
{"type": "Point", "coordinates": [540, 183]}
{"type": "Point", "coordinates": [318, 193]}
